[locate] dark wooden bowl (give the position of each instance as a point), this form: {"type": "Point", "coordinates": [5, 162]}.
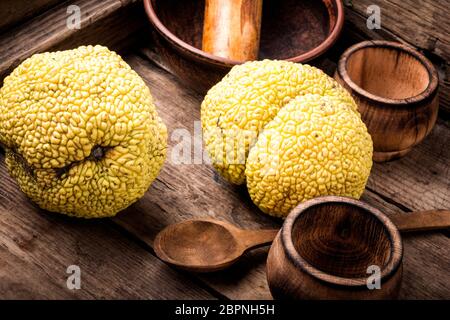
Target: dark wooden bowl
{"type": "Point", "coordinates": [324, 249]}
{"type": "Point", "coordinates": [396, 89]}
{"type": "Point", "coordinates": [291, 30]}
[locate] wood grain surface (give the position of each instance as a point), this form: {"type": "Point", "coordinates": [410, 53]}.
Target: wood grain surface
{"type": "Point", "coordinates": [36, 247]}
{"type": "Point", "coordinates": [102, 22]}
{"type": "Point", "coordinates": [421, 180]}
{"type": "Point", "coordinates": [424, 24]}
{"type": "Point", "coordinates": [15, 11]}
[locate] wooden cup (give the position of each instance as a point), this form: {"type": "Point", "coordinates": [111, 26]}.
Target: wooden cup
{"type": "Point", "coordinates": [396, 89]}
{"type": "Point", "coordinates": [324, 250]}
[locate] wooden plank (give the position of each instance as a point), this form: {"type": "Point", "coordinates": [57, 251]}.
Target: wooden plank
{"type": "Point", "coordinates": [36, 247]}
{"type": "Point", "coordinates": [15, 11]}
{"type": "Point", "coordinates": [189, 191]}
{"type": "Point", "coordinates": [109, 22]}
{"type": "Point", "coordinates": [424, 24]}
{"type": "Point", "coordinates": [119, 30]}
{"type": "Point", "coordinates": [421, 180]}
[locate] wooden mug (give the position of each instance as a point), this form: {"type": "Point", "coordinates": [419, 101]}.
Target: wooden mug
{"type": "Point", "coordinates": [396, 89]}
{"type": "Point", "coordinates": [329, 247]}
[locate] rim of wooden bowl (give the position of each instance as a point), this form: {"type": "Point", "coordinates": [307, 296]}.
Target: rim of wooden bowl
{"type": "Point", "coordinates": [292, 254]}
{"type": "Point", "coordinates": [427, 93]}
{"type": "Point", "coordinates": [213, 59]}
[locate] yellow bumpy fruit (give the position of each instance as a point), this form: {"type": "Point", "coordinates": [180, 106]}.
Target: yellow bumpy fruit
{"type": "Point", "coordinates": [288, 130]}
{"type": "Point", "coordinates": [81, 132]}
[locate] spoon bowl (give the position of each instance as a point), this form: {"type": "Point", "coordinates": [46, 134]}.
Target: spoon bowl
{"type": "Point", "coordinates": [207, 245]}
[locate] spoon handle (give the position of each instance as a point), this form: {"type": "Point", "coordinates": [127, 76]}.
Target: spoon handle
{"type": "Point", "coordinates": [257, 238]}
{"type": "Point", "coordinates": [422, 220]}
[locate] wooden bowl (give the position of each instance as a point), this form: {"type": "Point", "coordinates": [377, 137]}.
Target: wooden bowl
{"type": "Point", "coordinates": [396, 89]}
{"type": "Point", "coordinates": [291, 30]}
{"type": "Point", "coordinates": [325, 247]}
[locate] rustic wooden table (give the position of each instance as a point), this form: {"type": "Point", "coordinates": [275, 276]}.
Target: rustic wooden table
{"type": "Point", "coordinates": [116, 256]}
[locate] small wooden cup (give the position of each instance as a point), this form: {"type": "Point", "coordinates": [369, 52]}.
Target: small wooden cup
{"type": "Point", "coordinates": [396, 89]}
{"type": "Point", "coordinates": [324, 250]}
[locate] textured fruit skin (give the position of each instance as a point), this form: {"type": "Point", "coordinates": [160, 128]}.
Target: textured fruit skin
{"type": "Point", "coordinates": [81, 132]}
{"type": "Point", "coordinates": [297, 134]}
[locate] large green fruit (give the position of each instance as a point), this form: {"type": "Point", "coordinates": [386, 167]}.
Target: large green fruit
{"type": "Point", "coordinates": [81, 132]}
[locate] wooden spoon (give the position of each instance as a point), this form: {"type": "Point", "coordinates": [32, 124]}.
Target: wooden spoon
{"type": "Point", "coordinates": [207, 245]}
{"type": "Point", "coordinates": [211, 245]}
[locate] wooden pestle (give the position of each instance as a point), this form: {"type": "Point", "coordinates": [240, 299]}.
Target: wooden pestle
{"type": "Point", "coordinates": [232, 28]}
